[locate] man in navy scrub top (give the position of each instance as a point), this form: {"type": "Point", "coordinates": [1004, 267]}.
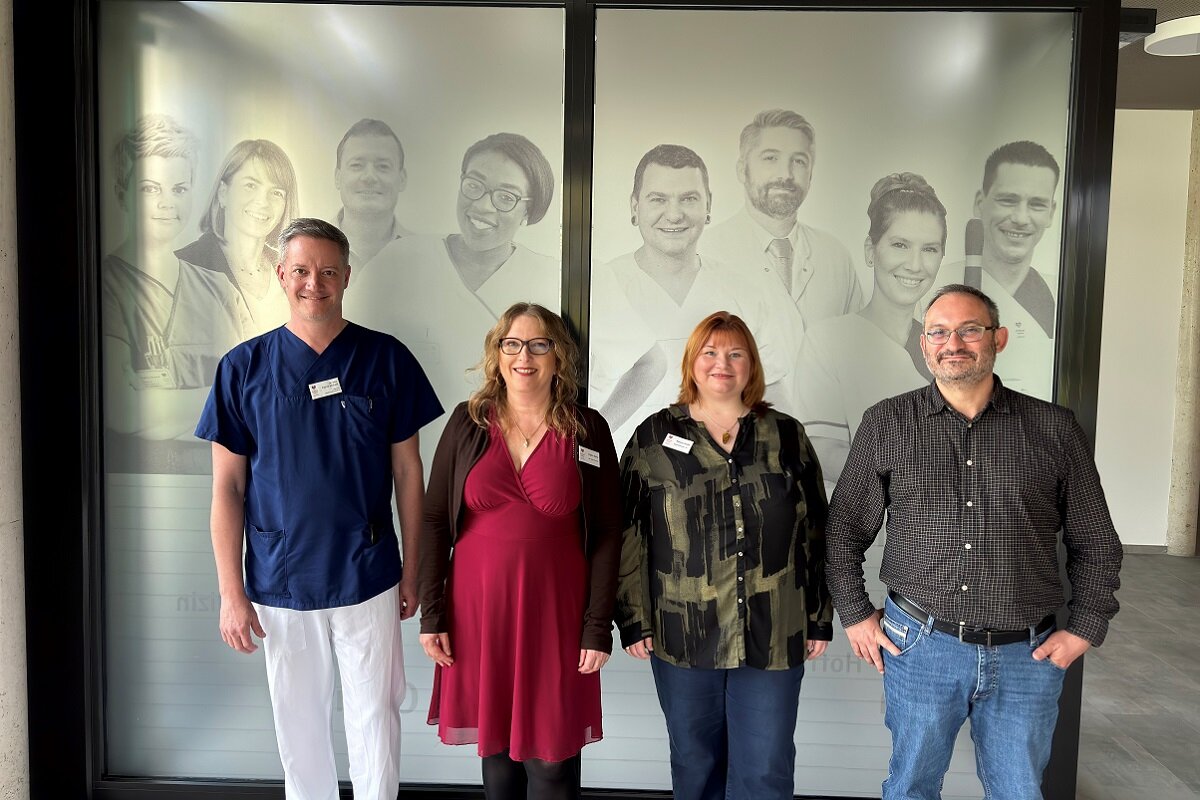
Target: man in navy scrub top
{"type": "Point", "coordinates": [312, 426]}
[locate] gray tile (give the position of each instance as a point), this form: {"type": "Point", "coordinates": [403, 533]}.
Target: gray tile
{"type": "Point", "coordinates": [1140, 719]}
{"type": "Point", "coordinates": [1153, 781]}
{"type": "Point", "coordinates": [1169, 739]}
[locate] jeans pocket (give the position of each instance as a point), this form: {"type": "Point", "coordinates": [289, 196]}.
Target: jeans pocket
{"type": "Point", "coordinates": [1038, 641]}
{"type": "Point", "coordinates": [903, 635]}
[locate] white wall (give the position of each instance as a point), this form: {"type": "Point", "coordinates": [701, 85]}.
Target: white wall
{"type": "Point", "coordinates": [1143, 287]}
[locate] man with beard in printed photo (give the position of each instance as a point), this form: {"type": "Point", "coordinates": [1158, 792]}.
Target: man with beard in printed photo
{"type": "Point", "coordinates": [802, 274]}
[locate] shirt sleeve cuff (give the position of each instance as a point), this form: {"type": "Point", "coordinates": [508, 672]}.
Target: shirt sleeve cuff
{"type": "Point", "coordinates": [1088, 626]}
{"type": "Point", "coordinates": [632, 634]}
{"type": "Point", "coordinates": [820, 631]}
{"type": "Point", "coordinates": [852, 615]}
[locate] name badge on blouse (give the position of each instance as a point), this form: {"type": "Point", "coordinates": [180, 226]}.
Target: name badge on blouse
{"type": "Point", "coordinates": [678, 443]}
{"type": "Point", "coordinates": [325, 388]}
{"type": "Point", "coordinates": [589, 456]}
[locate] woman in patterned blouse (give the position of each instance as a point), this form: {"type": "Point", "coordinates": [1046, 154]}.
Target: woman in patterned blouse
{"type": "Point", "coordinates": [722, 582]}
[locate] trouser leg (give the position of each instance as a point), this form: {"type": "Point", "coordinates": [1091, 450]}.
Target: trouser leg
{"type": "Point", "coordinates": [693, 704]}
{"type": "Point", "coordinates": [366, 638]}
{"type": "Point", "coordinates": [927, 691]}
{"type": "Point", "coordinates": [300, 678]}
{"type": "Point", "coordinates": [761, 708]}
{"type": "Point", "coordinates": [1012, 721]}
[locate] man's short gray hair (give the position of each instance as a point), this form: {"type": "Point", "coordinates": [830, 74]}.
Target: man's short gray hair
{"type": "Point", "coordinates": [774, 118]}
{"type": "Point", "coordinates": [314, 228]}
{"type": "Point", "coordinates": [962, 288]}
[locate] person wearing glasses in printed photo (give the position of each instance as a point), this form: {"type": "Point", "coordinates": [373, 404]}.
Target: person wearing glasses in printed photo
{"type": "Point", "coordinates": [441, 294]}
{"type": "Point", "coordinates": [722, 582]}
{"type": "Point", "coordinates": [975, 481]}
{"type": "Point", "coordinates": [523, 491]}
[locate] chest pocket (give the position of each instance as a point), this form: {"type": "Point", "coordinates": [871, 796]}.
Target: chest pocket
{"type": "Point", "coordinates": [363, 417]}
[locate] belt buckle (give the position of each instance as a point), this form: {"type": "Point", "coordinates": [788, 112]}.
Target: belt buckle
{"type": "Point", "coordinates": [986, 632]}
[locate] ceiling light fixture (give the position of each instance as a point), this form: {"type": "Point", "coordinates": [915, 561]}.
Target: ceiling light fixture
{"type": "Point", "coordinates": [1177, 37]}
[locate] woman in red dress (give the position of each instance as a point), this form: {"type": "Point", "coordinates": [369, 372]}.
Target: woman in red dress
{"type": "Point", "coordinates": [524, 491]}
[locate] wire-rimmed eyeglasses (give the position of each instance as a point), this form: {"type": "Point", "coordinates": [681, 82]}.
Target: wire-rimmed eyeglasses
{"type": "Point", "coordinates": [967, 333]}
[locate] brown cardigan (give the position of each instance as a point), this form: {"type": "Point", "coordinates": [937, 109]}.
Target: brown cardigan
{"type": "Point", "coordinates": [462, 444]}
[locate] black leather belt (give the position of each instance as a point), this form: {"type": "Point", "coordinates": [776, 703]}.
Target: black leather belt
{"type": "Point", "coordinates": [984, 636]}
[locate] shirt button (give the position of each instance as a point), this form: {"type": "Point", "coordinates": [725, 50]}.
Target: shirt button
{"type": "Point", "coordinates": [739, 552]}
{"type": "Point", "coordinates": [969, 462]}
{"type": "Point", "coordinates": [740, 600]}
{"type": "Point", "coordinates": [740, 578]}
{"type": "Point", "coordinates": [967, 545]}
{"type": "Point", "coordinates": [740, 529]}
{"type": "Point", "coordinates": [964, 587]}
{"type": "Point", "coordinates": [729, 460]}
{"type": "Point", "coordinates": [969, 424]}
{"type": "Point", "coordinates": [737, 501]}
{"type": "Point", "coordinates": [969, 504]}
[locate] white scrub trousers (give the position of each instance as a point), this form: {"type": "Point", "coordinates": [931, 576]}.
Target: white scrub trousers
{"type": "Point", "coordinates": [299, 649]}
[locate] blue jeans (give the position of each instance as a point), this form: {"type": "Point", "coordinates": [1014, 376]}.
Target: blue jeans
{"type": "Point", "coordinates": [939, 682]}
{"type": "Point", "coordinates": [731, 730]}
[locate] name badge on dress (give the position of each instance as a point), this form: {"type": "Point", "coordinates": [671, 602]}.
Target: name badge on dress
{"type": "Point", "coordinates": [678, 443]}
{"type": "Point", "coordinates": [325, 388]}
{"type": "Point", "coordinates": [589, 456]}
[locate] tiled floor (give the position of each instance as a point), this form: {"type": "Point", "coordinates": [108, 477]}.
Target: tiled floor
{"type": "Point", "coordinates": [1140, 729]}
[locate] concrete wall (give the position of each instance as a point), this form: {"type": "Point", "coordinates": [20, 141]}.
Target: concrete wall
{"type": "Point", "coordinates": [14, 715]}
{"type": "Point", "coordinates": [1143, 286]}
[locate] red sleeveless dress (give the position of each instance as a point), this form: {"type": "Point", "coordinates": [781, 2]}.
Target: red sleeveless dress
{"type": "Point", "coordinates": [516, 592]}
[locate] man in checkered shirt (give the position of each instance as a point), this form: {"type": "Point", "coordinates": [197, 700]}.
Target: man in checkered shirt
{"type": "Point", "coordinates": [977, 481]}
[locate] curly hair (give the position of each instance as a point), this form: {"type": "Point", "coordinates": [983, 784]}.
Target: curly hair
{"type": "Point", "coordinates": [490, 400]}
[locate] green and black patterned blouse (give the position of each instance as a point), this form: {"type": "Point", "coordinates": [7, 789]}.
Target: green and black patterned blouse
{"type": "Point", "coordinates": [723, 556]}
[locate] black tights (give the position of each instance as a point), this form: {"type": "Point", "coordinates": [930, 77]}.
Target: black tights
{"type": "Point", "coordinates": [505, 779]}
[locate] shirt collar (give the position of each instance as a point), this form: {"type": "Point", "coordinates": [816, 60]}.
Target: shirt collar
{"type": "Point", "coordinates": [934, 403]}
{"type": "Point", "coordinates": [796, 236]}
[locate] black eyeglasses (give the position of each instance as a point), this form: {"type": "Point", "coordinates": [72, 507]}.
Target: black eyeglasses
{"type": "Point", "coordinates": [512, 346]}
{"type": "Point", "coordinates": [968, 333]}
{"type": "Point", "coordinates": [502, 199]}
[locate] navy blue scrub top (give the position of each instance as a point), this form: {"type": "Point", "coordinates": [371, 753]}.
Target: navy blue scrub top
{"type": "Point", "coordinates": [319, 530]}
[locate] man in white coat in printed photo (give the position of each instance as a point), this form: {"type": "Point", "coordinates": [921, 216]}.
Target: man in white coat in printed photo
{"type": "Point", "coordinates": [804, 272]}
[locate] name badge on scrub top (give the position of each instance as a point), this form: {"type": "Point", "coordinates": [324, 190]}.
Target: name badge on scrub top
{"type": "Point", "coordinates": [325, 388]}
{"type": "Point", "coordinates": [589, 456]}
{"type": "Point", "coordinates": [678, 443]}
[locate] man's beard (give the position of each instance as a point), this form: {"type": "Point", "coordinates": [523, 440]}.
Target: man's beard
{"type": "Point", "coordinates": [963, 374]}
{"type": "Point", "coordinates": [779, 205]}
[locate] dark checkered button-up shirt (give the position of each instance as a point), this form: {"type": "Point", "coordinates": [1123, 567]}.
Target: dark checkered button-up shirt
{"type": "Point", "coordinates": [974, 508]}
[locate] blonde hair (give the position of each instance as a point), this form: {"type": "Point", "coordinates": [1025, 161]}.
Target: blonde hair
{"type": "Point", "coordinates": [491, 398]}
{"type": "Point", "coordinates": [723, 325]}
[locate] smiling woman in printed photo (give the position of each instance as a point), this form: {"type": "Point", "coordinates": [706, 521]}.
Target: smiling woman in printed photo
{"type": "Point", "coordinates": [253, 199]}
{"type": "Point", "coordinates": [166, 322]}
{"type": "Point", "coordinates": [441, 294]}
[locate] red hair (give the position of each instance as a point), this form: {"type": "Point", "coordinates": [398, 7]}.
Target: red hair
{"type": "Point", "coordinates": [721, 325]}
